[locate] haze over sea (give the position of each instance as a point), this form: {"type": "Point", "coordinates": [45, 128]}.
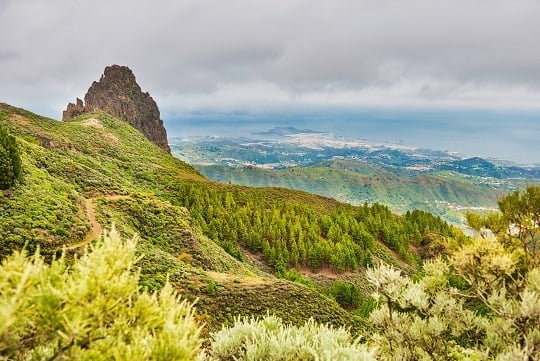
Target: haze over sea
{"type": "Point", "coordinates": [508, 135]}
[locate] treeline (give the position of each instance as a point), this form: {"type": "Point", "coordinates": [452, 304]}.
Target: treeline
{"type": "Point", "coordinates": [293, 234]}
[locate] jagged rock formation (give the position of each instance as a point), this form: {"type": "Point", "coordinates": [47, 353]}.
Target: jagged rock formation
{"type": "Point", "coordinates": [118, 94]}
{"type": "Point", "coordinates": [73, 110]}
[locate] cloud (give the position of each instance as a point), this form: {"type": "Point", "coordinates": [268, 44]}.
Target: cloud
{"type": "Point", "coordinates": [203, 53]}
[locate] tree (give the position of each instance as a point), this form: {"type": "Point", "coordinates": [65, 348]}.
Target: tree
{"type": "Point", "coordinates": [10, 160]}
{"type": "Point", "coordinates": [90, 310]}
{"type": "Point", "coordinates": [521, 210]}
{"type": "Point", "coordinates": [7, 173]}
{"type": "Point", "coordinates": [517, 224]}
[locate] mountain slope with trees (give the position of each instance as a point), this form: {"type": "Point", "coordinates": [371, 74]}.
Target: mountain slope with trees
{"type": "Point", "coordinates": [203, 234]}
{"type": "Point", "coordinates": [478, 299]}
{"type": "Point", "coordinates": [356, 182]}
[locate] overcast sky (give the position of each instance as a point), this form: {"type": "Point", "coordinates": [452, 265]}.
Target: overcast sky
{"type": "Point", "coordinates": [227, 55]}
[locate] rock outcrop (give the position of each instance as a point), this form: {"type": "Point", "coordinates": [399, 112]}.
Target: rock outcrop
{"type": "Point", "coordinates": [73, 110]}
{"type": "Point", "coordinates": [118, 94]}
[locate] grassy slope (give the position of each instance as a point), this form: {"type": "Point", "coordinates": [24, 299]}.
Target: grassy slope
{"type": "Point", "coordinates": [95, 156]}
{"type": "Point", "coordinates": [356, 183]}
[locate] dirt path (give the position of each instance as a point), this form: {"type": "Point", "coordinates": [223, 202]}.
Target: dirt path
{"type": "Point", "coordinates": [96, 230]}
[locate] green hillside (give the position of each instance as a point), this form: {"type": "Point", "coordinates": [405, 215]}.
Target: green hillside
{"type": "Point", "coordinates": [357, 182]}
{"type": "Point", "coordinates": [223, 244]}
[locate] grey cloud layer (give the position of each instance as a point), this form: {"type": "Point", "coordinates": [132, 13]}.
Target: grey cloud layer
{"type": "Point", "coordinates": [51, 50]}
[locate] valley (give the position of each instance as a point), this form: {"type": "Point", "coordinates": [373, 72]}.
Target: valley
{"type": "Point", "coordinates": [357, 171]}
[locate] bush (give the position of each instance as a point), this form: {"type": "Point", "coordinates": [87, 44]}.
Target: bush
{"type": "Point", "coordinates": [10, 160]}
{"type": "Point", "coordinates": [232, 249]}
{"type": "Point", "coordinates": [90, 310]}
{"type": "Point", "coordinates": [482, 302]}
{"type": "Point", "coordinates": [294, 276]}
{"type": "Point", "coordinates": [495, 315]}
{"type": "Point", "coordinates": [271, 339]}
{"type": "Point", "coordinates": [211, 286]}
{"type": "Point", "coordinates": [347, 294]}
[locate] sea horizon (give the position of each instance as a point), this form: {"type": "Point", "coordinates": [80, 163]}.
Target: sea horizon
{"type": "Point", "coordinates": [501, 135]}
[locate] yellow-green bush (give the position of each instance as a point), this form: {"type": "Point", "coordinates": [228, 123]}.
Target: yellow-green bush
{"type": "Point", "coordinates": [91, 309]}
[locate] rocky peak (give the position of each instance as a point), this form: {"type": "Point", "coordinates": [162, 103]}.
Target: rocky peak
{"type": "Point", "coordinates": [118, 94]}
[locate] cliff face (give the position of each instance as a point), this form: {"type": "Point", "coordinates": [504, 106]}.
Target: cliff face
{"type": "Point", "coordinates": [118, 94]}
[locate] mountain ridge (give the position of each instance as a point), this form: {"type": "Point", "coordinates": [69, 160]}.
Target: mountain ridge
{"type": "Point", "coordinates": [288, 130]}
{"type": "Point", "coordinates": [98, 170]}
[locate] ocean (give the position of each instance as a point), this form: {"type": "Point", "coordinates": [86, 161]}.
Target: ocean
{"type": "Point", "coordinates": [497, 134]}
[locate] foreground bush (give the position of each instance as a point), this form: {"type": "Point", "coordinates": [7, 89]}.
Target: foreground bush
{"type": "Point", "coordinates": [90, 310]}
{"type": "Point", "coordinates": [481, 303]}
{"type": "Point", "coordinates": [270, 339]}
{"type": "Point", "coordinates": [475, 307]}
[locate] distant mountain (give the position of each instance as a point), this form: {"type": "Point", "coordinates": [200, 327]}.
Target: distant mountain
{"type": "Point", "coordinates": [445, 194]}
{"type": "Point", "coordinates": [284, 131]}
{"type": "Point", "coordinates": [309, 149]}
{"type": "Point", "coordinates": [480, 167]}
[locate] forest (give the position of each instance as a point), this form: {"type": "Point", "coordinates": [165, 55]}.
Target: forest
{"type": "Point", "coordinates": [292, 235]}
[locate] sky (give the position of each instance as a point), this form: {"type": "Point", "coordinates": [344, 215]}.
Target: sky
{"type": "Point", "coordinates": [277, 56]}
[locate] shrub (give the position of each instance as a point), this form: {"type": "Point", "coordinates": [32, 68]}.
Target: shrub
{"type": "Point", "coordinates": [493, 315]}
{"type": "Point", "coordinates": [271, 339]}
{"type": "Point", "coordinates": [232, 249]}
{"type": "Point", "coordinates": [211, 286]}
{"type": "Point", "coordinates": [294, 276]}
{"type": "Point", "coordinates": [90, 310]}
{"type": "Point", "coordinates": [480, 303]}
{"type": "Point", "coordinates": [347, 294]}
{"type": "Point", "coordinates": [10, 160]}
{"type": "Point", "coordinates": [280, 268]}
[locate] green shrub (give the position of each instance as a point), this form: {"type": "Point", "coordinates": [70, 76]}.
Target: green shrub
{"type": "Point", "coordinates": [493, 315]}
{"type": "Point", "coordinates": [90, 310]}
{"type": "Point", "coordinates": [366, 305]}
{"type": "Point", "coordinates": [232, 249]}
{"type": "Point", "coordinates": [294, 276]}
{"type": "Point", "coordinates": [280, 268]}
{"type": "Point", "coordinates": [347, 294]}
{"type": "Point", "coordinates": [211, 286]}
{"type": "Point", "coordinates": [10, 160]}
